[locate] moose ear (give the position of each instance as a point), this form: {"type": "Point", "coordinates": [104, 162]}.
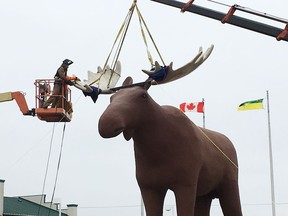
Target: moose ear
{"type": "Point", "coordinates": [128, 81]}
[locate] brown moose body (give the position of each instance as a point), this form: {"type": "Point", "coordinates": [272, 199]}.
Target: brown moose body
{"type": "Point", "coordinates": [172, 153]}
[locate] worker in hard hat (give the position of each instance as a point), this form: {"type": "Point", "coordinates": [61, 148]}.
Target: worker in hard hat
{"type": "Point", "coordinates": [61, 79]}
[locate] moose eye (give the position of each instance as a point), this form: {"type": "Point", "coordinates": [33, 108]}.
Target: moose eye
{"type": "Point", "coordinates": [144, 95]}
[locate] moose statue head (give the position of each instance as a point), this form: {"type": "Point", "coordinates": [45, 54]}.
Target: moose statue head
{"type": "Point", "coordinates": [172, 153]}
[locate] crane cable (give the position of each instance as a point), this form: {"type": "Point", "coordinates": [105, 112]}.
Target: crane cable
{"type": "Point", "coordinates": [58, 167]}
{"type": "Point", "coordinates": [252, 11]}
{"type": "Point", "coordinates": [220, 3]}
{"type": "Point", "coordinates": [47, 166]}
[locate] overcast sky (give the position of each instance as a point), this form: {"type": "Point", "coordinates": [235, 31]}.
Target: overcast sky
{"type": "Point", "coordinates": [99, 174]}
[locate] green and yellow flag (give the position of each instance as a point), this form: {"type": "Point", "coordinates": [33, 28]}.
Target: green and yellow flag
{"type": "Point", "coordinates": [251, 105]}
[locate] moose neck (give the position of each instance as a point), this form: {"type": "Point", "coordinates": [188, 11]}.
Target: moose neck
{"type": "Point", "coordinates": [157, 129]}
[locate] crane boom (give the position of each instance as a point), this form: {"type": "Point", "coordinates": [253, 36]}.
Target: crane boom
{"type": "Point", "coordinates": [278, 33]}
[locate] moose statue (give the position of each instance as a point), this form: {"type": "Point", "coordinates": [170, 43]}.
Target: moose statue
{"type": "Point", "coordinates": [172, 153]}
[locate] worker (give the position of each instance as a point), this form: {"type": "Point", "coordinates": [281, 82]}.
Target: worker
{"type": "Point", "coordinates": [44, 90]}
{"type": "Point", "coordinates": [60, 79]}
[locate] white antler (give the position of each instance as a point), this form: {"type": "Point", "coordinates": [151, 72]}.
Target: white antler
{"type": "Point", "coordinates": [183, 71]}
{"type": "Point", "coordinates": [104, 79]}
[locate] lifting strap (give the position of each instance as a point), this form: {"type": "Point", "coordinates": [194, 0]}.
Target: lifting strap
{"type": "Point", "coordinates": [141, 19]}
{"type": "Point", "coordinates": [283, 34]}
{"type": "Point", "coordinates": [188, 4]}
{"type": "Point", "coordinates": [229, 14]}
{"type": "Point", "coordinates": [122, 34]}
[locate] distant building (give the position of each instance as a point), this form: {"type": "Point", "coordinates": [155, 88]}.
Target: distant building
{"type": "Point", "coordinates": [32, 206]}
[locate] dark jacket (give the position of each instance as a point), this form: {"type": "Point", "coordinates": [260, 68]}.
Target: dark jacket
{"type": "Point", "coordinates": [61, 75]}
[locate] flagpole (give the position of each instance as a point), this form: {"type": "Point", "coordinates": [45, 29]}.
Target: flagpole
{"type": "Point", "coordinates": [271, 158]}
{"type": "Point", "coordinates": [203, 113]}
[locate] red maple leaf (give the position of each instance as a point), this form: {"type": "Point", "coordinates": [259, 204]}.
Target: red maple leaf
{"type": "Point", "coordinates": [191, 106]}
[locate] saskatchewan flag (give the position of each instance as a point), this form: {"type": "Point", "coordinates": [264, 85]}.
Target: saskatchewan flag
{"type": "Point", "coordinates": [251, 105]}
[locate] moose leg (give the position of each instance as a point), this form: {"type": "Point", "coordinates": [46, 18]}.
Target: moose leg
{"type": "Point", "coordinates": [230, 199]}
{"type": "Point", "coordinates": [185, 200]}
{"type": "Point", "coordinates": [153, 200]}
{"type": "Point", "coordinates": [203, 205]}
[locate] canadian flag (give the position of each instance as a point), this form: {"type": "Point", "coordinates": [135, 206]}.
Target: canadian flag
{"type": "Point", "coordinates": [192, 107]}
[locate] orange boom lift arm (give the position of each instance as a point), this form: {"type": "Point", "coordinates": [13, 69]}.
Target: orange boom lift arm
{"type": "Point", "coordinates": [61, 113]}
{"type": "Point", "coordinates": [20, 99]}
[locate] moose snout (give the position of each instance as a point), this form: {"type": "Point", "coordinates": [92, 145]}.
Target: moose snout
{"type": "Point", "coordinates": [110, 126]}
